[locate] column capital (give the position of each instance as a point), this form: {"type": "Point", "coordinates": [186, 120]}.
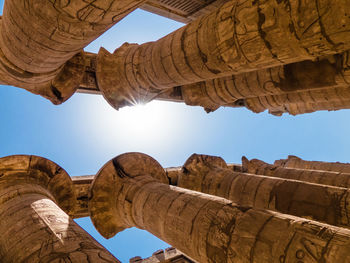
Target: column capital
{"type": "Point", "coordinates": [39, 172]}
{"type": "Point", "coordinates": [111, 181]}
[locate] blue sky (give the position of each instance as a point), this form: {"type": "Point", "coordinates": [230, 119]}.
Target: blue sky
{"type": "Point", "coordinates": [85, 132]}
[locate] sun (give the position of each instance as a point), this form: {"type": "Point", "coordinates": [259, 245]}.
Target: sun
{"type": "Point", "coordinates": [143, 121]}
{"type": "Point", "coordinates": [136, 128]}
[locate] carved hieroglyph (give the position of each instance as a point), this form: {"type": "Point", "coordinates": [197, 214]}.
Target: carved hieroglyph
{"type": "Point", "coordinates": [295, 88]}
{"type": "Point", "coordinates": [212, 176]}
{"type": "Point", "coordinates": [35, 195]}
{"type": "Point", "coordinates": [296, 162]}
{"type": "Point", "coordinates": [313, 176]}
{"type": "Point", "coordinates": [37, 38]}
{"type": "Point", "coordinates": [240, 36]}
{"type": "Point", "coordinates": [258, 41]}
{"type": "Point", "coordinates": [131, 190]}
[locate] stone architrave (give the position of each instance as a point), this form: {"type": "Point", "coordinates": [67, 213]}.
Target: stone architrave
{"type": "Point", "coordinates": [296, 162]}
{"type": "Point", "coordinates": [210, 175]}
{"type": "Point", "coordinates": [241, 36]}
{"type": "Point", "coordinates": [259, 167]}
{"type": "Point", "coordinates": [35, 197]}
{"type": "Point", "coordinates": [131, 190]}
{"type": "Point", "coordinates": [169, 255]}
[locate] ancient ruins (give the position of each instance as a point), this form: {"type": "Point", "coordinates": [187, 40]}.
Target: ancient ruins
{"type": "Point", "coordinates": [281, 56]}
{"type": "Point", "coordinates": [169, 255]}
{"type": "Point", "coordinates": [209, 210]}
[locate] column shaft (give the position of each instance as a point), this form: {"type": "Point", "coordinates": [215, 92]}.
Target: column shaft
{"type": "Point", "coordinates": [320, 202]}
{"type": "Point", "coordinates": [321, 76]}
{"type": "Point", "coordinates": [296, 162]}
{"type": "Point", "coordinates": [312, 176]}
{"type": "Point", "coordinates": [207, 228]}
{"type": "Point", "coordinates": [240, 36]}
{"type": "Point", "coordinates": [300, 102]}
{"type": "Point", "coordinates": [37, 38]}
{"type": "Point", "coordinates": [35, 195]}
{"type": "Point", "coordinates": [34, 229]}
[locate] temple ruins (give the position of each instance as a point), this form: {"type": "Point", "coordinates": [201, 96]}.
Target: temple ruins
{"type": "Point", "coordinates": [210, 211]}
{"type": "Point", "coordinates": [281, 56]}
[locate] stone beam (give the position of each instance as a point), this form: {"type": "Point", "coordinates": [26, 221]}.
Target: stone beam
{"type": "Point", "coordinates": [241, 36]}
{"type": "Point", "coordinates": [36, 199]}
{"type": "Point", "coordinates": [132, 190]}
{"type": "Point", "coordinates": [169, 255]}
{"type": "Point", "coordinates": [81, 188]}
{"type": "Point", "coordinates": [184, 12]}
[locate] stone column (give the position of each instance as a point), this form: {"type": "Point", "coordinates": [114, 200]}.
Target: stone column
{"type": "Point", "coordinates": [38, 37]}
{"type": "Point", "coordinates": [296, 162]}
{"type": "Point", "coordinates": [35, 197]}
{"type": "Point", "coordinates": [210, 175]}
{"type": "Point", "coordinates": [312, 176]}
{"type": "Point", "coordinates": [131, 190]}
{"type": "Point", "coordinates": [300, 102]}
{"type": "Point", "coordinates": [291, 81]}
{"type": "Point", "coordinates": [240, 36]}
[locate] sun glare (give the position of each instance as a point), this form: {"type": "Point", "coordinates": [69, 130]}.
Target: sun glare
{"type": "Point", "coordinates": [138, 126]}
{"type": "Point", "coordinates": [142, 120]}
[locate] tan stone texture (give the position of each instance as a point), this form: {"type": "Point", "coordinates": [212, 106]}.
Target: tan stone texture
{"type": "Point", "coordinates": [258, 42]}
{"type": "Point", "coordinates": [296, 162]}
{"type": "Point", "coordinates": [130, 190]}
{"type": "Point", "coordinates": [302, 102]}
{"type": "Point", "coordinates": [259, 167]}
{"type": "Point", "coordinates": [35, 195]}
{"type": "Point", "coordinates": [241, 36]}
{"type": "Point", "coordinates": [323, 203]}
{"type": "Point", "coordinates": [257, 88]}
{"type": "Point", "coordinates": [37, 38]}
{"type": "Point", "coordinates": [169, 255]}
{"type": "Point", "coordinates": [81, 188]}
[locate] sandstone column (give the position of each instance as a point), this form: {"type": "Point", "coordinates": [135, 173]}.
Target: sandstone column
{"type": "Point", "coordinates": [312, 176]}
{"type": "Point", "coordinates": [131, 190]}
{"type": "Point", "coordinates": [241, 36]}
{"type": "Point", "coordinates": [299, 102]}
{"type": "Point", "coordinates": [35, 195]}
{"type": "Point", "coordinates": [210, 175]}
{"type": "Point", "coordinates": [286, 81]}
{"type": "Point", "coordinates": [38, 37]}
{"type": "Point", "coordinates": [296, 162]}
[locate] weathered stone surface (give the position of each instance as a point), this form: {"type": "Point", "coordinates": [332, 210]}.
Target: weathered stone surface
{"type": "Point", "coordinates": [40, 36]}
{"type": "Point", "coordinates": [40, 40]}
{"type": "Point", "coordinates": [241, 36]}
{"type": "Point", "coordinates": [323, 75]}
{"type": "Point", "coordinates": [168, 255]}
{"type": "Point", "coordinates": [128, 191]}
{"type": "Point", "coordinates": [35, 193]}
{"type": "Point", "coordinates": [259, 167]}
{"type": "Point", "coordinates": [82, 187]}
{"type": "Point", "coordinates": [300, 102]}
{"type": "Point", "coordinates": [296, 162]}
{"type": "Point", "coordinates": [314, 201]}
